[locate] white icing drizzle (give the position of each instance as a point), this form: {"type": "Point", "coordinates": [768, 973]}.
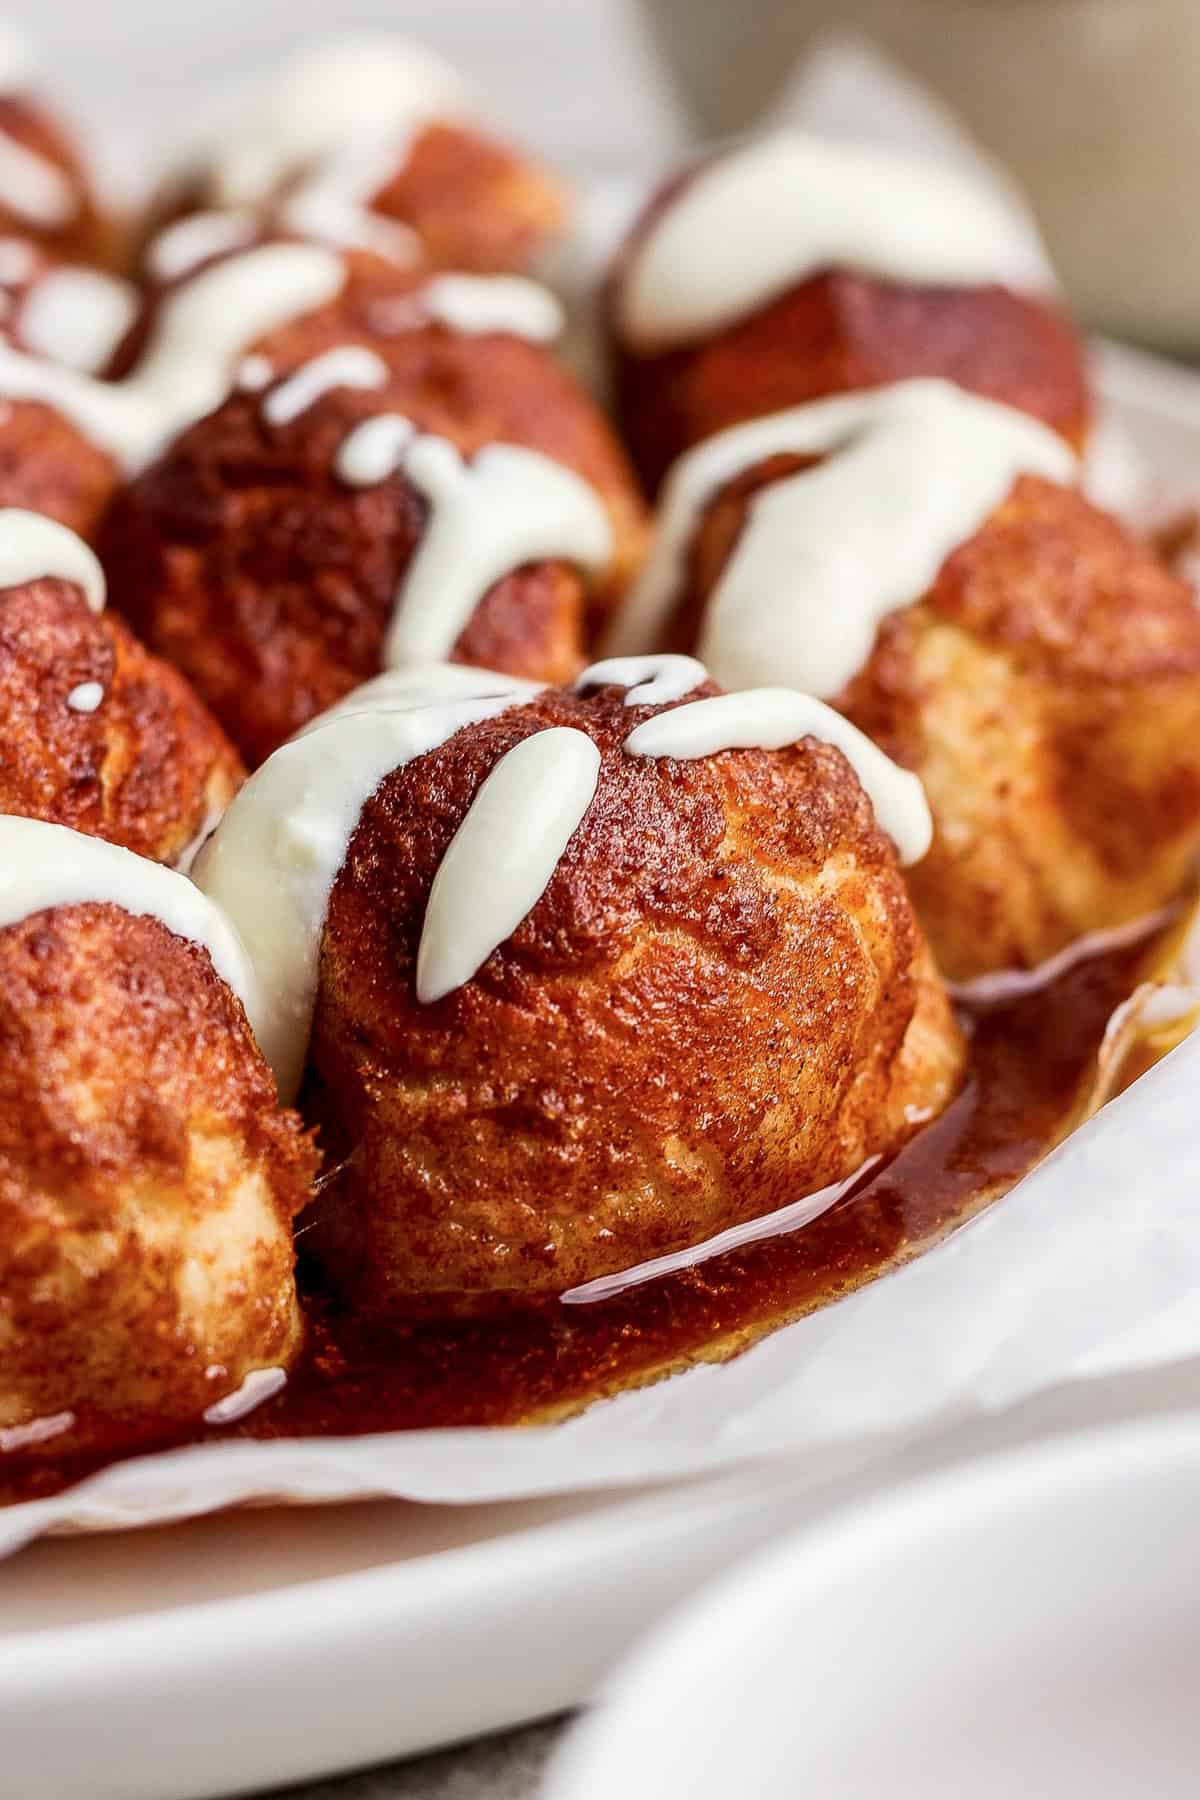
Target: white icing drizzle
{"type": "Point", "coordinates": [77, 317]}
{"type": "Point", "coordinates": [33, 547]}
{"type": "Point", "coordinates": [506, 507]}
{"type": "Point", "coordinates": [792, 1217]}
{"type": "Point", "coordinates": [913, 470]}
{"type": "Point", "coordinates": [770, 718]}
{"type": "Point", "coordinates": [259, 1385]}
{"type": "Point", "coordinates": [86, 697]}
{"type": "Point", "coordinates": [271, 864]}
{"type": "Point", "coordinates": [192, 358]}
{"type": "Point", "coordinates": [179, 248]}
{"type": "Point", "coordinates": [335, 204]}
{"type": "Point", "coordinates": [34, 187]}
{"type": "Point", "coordinates": [114, 416]}
{"type": "Point", "coordinates": [38, 1431]}
{"type": "Point", "coordinates": [43, 865]}
{"type": "Point", "coordinates": [356, 89]}
{"type": "Point", "coordinates": [205, 325]}
{"type": "Point", "coordinates": [404, 690]}
{"type": "Point", "coordinates": [255, 372]}
{"type": "Point", "coordinates": [651, 680]}
{"type": "Point", "coordinates": [487, 303]}
{"type": "Point", "coordinates": [771, 214]}
{"type": "Point", "coordinates": [18, 261]}
{"type": "Point", "coordinates": [349, 366]}
{"type": "Point", "coordinates": [502, 857]}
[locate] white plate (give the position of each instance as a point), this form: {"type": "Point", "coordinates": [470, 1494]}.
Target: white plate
{"type": "Point", "coordinates": [1028, 1625]}
{"type": "Point", "coordinates": [258, 1648]}
{"type": "Point", "coordinates": [254, 1648]}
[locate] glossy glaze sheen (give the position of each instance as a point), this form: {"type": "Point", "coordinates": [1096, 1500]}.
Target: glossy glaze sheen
{"type": "Point", "coordinates": [1028, 1059]}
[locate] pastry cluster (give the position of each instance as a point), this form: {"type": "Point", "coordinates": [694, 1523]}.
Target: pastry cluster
{"type": "Point", "coordinates": [519, 845]}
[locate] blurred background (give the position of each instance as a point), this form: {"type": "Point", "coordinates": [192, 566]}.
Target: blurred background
{"type": "Point", "coordinates": [1094, 104]}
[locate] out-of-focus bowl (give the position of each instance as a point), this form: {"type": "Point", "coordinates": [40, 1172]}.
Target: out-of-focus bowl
{"type": "Point", "coordinates": [1025, 1625]}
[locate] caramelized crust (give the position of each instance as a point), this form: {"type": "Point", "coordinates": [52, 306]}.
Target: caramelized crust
{"type": "Point", "coordinates": [242, 558]}
{"type": "Point", "coordinates": [147, 1182]}
{"type": "Point", "coordinates": [721, 1003]}
{"type": "Point", "coordinates": [149, 768]}
{"type": "Point", "coordinates": [840, 332]}
{"type": "Point", "coordinates": [1047, 691]}
{"type": "Point", "coordinates": [48, 465]}
{"type": "Point", "coordinates": [87, 236]}
{"type": "Point", "coordinates": [475, 204]}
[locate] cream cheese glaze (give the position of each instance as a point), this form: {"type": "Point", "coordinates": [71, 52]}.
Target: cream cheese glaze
{"type": "Point", "coordinates": [77, 316]}
{"type": "Point", "coordinates": [910, 472]}
{"type": "Point", "coordinates": [501, 859]}
{"type": "Point", "coordinates": [770, 718]}
{"type": "Point", "coordinates": [191, 360]}
{"type": "Point", "coordinates": [348, 366]}
{"type": "Point", "coordinates": [486, 303]}
{"type": "Point", "coordinates": [651, 680]}
{"type": "Point", "coordinates": [34, 187]}
{"type": "Point", "coordinates": [272, 861]}
{"type": "Point", "coordinates": [182, 246]}
{"type": "Point", "coordinates": [359, 89]}
{"type": "Point", "coordinates": [43, 865]}
{"type": "Point", "coordinates": [748, 225]}
{"type": "Point", "coordinates": [271, 864]}
{"type": "Point", "coordinates": [204, 326]}
{"type": "Point", "coordinates": [488, 516]}
{"type": "Point", "coordinates": [32, 547]}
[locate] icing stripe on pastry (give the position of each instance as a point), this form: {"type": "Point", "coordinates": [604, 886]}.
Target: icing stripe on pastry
{"type": "Point", "coordinates": [769, 719]}
{"type": "Point", "coordinates": [191, 360]}
{"type": "Point", "coordinates": [746, 227]}
{"type": "Point", "coordinates": [44, 865]}
{"type": "Point", "coordinates": [348, 366]}
{"type": "Point", "coordinates": [33, 547]}
{"type": "Point", "coordinates": [651, 680]}
{"type": "Point", "coordinates": [911, 472]}
{"type": "Point", "coordinates": [500, 860]}
{"type": "Point", "coordinates": [272, 862]}
{"type": "Point", "coordinates": [489, 516]}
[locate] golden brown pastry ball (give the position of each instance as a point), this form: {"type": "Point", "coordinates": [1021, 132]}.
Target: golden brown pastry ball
{"type": "Point", "coordinates": [148, 1182]}
{"type": "Point", "coordinates": [50, 465]}
{"type": "Point", "coordinates": [372, 140]}
{"type": "Point", "coordinates": [1047, 691]}
{"type": "Point", "coordinates": [244, 558]}
{"type": "Point", "coordinates": [98, 734]}
{"type": "Point", "coordinates": [721, 1002]}
{"type": "Point", "coordinates": [67, 321]}
{"type": "Point", "coordinates": [453, 199]}
{"type": "Point", "coordinates": [836, 330]}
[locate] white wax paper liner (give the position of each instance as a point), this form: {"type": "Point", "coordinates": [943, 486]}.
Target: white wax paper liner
{"type": "Point", "coordinates": [1092, 1263]}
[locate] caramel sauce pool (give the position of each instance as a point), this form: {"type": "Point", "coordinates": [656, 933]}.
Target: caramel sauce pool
{"type": "Point", "coordinates": [1029, 1058]}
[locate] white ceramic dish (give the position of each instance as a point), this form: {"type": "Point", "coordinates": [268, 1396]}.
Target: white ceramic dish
{"type": "Point", "coordinates": [1028, 1624]}
{"type": "Point", "coordinates": [255, 1648]}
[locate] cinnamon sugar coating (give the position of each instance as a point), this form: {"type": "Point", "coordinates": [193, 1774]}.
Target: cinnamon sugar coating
{"type": "Point", "coordinates": [241, 556]}
{"type": "Point", "coordinates": [148, 1181]}
{"type": "Point", "coordinates": [49, 465]}
{"type": "Point", "coordinates": [1047, 691]}
{"type": "Point", "coordinates": [148, 767]}
{"type": "Point", "coordinates": [838, 332]}
{"type": "Point", "coordinates": [721, 1002]}
{"type": "Point", "coordinates": [471, 202]}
